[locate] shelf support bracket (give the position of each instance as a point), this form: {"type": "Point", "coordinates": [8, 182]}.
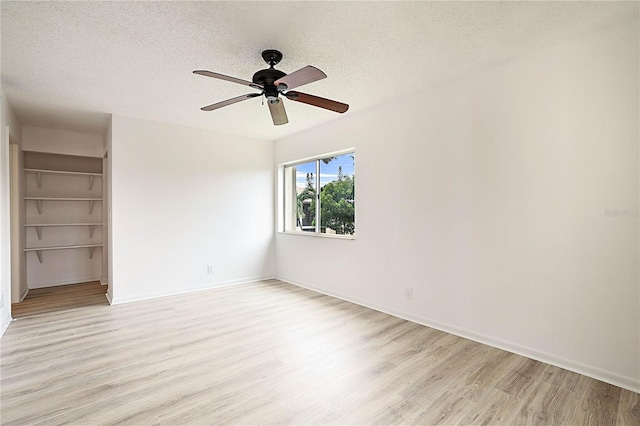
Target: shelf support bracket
{"type": "Point", "coordinates": [39, 204]}
{"type": "Point", "coordinates": [91, 206]}
{"type": "Point", "coordinates": [91, 252]}
{"type": "Point", "coordinates": [90, 183]}
{"type": "Point", "coordinates": [91, 229]}
{"type": "Point", "coordinates": [39, 232]}
{"type": "Point", "coordinates": [39, 254]}
{"type": "Point", "coordinates": [39, 177]}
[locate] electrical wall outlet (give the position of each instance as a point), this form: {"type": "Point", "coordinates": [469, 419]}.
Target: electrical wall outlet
{"type": "Point", "coordinates": [408, 293]}
{"type": "Point", "coordinates": [210, 269]}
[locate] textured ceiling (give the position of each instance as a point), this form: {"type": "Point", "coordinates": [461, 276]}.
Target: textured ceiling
{"type": "Point", "coordinates": [70, 64]}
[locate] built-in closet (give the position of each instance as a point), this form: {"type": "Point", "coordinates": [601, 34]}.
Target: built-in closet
{"type": "Point", "coordinates": [63, 218]}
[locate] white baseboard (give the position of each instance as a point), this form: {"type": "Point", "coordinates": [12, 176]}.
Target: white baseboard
{"type": "Point", "coordinates": [108, 296]}
{"type": "Point", "coordinates": [62, 282]}
{"type": "Point", "coordinates": [577, 367]}
{"type": "Point", "coordinates": [104, 282]}
{"type": "Point", "coordinates": [4, 326]}
{"type": "Point", "coordinates": [209, 286]}
{"type": "Point", "coordinates": [24, 294]}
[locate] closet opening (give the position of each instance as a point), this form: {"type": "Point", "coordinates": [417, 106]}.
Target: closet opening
{"type": "Point", "coordinates": [63, 220]}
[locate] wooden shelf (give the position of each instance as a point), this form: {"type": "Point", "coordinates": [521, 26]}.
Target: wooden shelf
{"type": "Point", "coordinates": [40, 172]}
{"type": "Point", "coordinates": [63, 198]}
{"type": "Point", "coordinates": [39, 226]}
{"type": "Point", "coordinates": [62, 247]}
{"type": "Point", "coordinates": [39, 201]}
{"type": "Point", "coordinates": [39, 250]}
{"type": "Point", "coordinates": [64, 224]}
{"type": "Point", "coordinates": [61, 172]}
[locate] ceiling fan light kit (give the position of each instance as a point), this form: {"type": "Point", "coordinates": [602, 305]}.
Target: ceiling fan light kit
{"type": "Point", "coordinates": [272, 83]}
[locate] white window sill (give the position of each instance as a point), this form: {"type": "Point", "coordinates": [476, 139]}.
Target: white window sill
{"type": "Point", "coordinates": [316, 235]}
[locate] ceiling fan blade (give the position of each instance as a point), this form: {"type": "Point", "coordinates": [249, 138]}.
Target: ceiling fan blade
{"type": "Point", "coordinates": [229, 101]}
{"type": "Point", "coordinates": [317, 101]}
{"type": "Point", "coordinates": [278, 114]}
{"type": "Point", "coordinates": [304, 75]}
{"type": "Point", "coordinates": [227, 78]}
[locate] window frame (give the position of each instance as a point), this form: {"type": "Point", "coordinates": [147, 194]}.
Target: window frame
{"type": "Point", "coordinates": [281, 193]}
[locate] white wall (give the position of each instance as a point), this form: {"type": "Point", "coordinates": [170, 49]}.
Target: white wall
{"type": "Point", "coordinates": [107, 237]}
{"type": "Point", "coordinates": [488, 195]}
{"type": "Point", "coordinates": [185, 198]}
{"type": "Point", "coordinates": [8, 118]}
{"type": "Point", "coordinates": [19, 286]}
{"type": "Point", "coordinates": [62, 141]}
{"type": "Point", "coordinates": [104, 274]}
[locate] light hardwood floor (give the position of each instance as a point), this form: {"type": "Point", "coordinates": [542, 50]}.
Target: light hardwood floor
{"type": "Point", "coordinates": [51, 299]}
{"type": "Point", "coordinates": [273, 353]}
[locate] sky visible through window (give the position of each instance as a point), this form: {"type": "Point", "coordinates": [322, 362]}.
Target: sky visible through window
{"type": "Point", "coordinates": [328, 172]}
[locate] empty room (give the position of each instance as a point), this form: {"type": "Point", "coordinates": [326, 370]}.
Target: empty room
{"type": "Point", "coordinates": [184, 241]}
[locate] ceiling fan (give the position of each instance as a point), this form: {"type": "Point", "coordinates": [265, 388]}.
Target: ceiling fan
{"type": "Point", "coordinates": [272, 83]}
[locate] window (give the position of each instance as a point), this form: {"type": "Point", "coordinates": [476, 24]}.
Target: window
{"type": "Point", "coordinates": [319, 195]}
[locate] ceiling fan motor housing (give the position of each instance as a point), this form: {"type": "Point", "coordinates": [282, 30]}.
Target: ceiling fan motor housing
{"type": "Point", "coordinates": [266, 78]}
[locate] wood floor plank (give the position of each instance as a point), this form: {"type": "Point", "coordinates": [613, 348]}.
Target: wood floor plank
{"type": "Point", "coordinates": [51, 299]}
{"type": "Point", "coordinates": [600, 402]}
{"type": "Point", "coordinates": [270, 353]}
{"type": "Point", "coordinates": [495, 408]}
{"type": "Point", "coordinates": [629, 408]}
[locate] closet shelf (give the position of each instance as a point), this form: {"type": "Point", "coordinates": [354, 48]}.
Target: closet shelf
{"type": "Point", "coordinates": [61, 172]}
{"type": "Point", "coordinates": [40, 172]}
{"type": "Point", "coordinates": [62, 247]}
{"type": "Point", "coordinates": [39, 250]}
{"type": "Point", "coordinates": [39, 201]}
{"type": "Point", "coordinates": [39, 226]}
{"type": "Point", "coordinates": [64, 224]}
{"type": "Point", "coordinates": [62, 199]}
